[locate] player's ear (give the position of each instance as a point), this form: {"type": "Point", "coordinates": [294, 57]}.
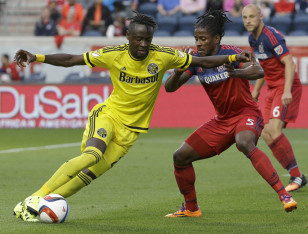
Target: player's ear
{"type": "Point", "coordinates": [217, 39]}
{"type": "Point", "coordinates": [127, 35]}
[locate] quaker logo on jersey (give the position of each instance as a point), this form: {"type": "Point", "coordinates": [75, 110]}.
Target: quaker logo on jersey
{"type": "Point", "coordinates": [278, 50]}
{"type": "Point", "coordinates": [102, 132]}
{"type": "Point", "coordinates": [214, 78]}
{"type": "Point", "coordinates": [261, 48]}
{"type": "Point", "coordinates": [152, 68]}
{"type": "Point", "coordinates": [180, 54]}
{"type": "Point", "coordinates": [221, 68]}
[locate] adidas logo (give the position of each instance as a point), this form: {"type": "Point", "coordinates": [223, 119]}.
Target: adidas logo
{"type": "Point", "coordinates": [123, 69]}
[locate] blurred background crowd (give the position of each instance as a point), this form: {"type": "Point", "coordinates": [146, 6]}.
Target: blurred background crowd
{"type": "Point", "coordinates": [175, 18]}
{"type": "Point", "coordinates": [108, 17]}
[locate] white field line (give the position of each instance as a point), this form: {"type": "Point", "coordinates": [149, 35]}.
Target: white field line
{"type": "Point", "coordinates": [16, 150]}
{"type": "Point", "coordinates": [67, 145]}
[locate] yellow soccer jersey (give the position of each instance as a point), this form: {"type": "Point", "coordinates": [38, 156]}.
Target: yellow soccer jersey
{"type": "Point", "coordinates": [136, 83]}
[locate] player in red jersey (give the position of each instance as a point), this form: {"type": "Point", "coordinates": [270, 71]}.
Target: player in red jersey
{"type": "Point", "coordinates": [238, 118]}
{"type": "Point", "coordinates": [8, 70]}
{"type": "Point", "coordinates": [284, 90]}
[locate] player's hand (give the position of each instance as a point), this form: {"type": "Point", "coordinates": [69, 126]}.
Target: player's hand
{"type": "Point", "coordinates": [23, 56]}
{"type": "Point", "coordinates": [286, 98]}
{"type": "Point", "coordinates": [230, 69]}
{"type": "Point", "coordinates": [187, 51]}
{"type": "Point", "coordinates": [245, 56]}
{"type": "Point", "coordinates": [253, 60]}
{"type": "Point", "coordinates": [255, 95]}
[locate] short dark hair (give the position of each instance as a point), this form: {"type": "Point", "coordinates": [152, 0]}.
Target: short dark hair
{"type": "Point", "coordinates": [140, 18]}
{"type": "Point", "coordinates": [6, 56]}
{"type": "Point", "coordinates": [214, 22]}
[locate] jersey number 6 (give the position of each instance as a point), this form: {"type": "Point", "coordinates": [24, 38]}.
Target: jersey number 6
{"type": "Point", "coordinates": [276, 111]}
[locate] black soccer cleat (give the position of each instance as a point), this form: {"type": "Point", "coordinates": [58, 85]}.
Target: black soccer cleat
{"type": "Point", "coordinates": [296, 182]}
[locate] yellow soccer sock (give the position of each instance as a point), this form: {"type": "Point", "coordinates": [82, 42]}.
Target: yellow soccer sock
{"type": "Point", "coordinates": [70, 169]}
{"type": "Point", "coordinates": [83, 179]}
{"type": "Point", "coordinates": [42, 192]}
{"type": "Point", "coordinates": [74, 185]}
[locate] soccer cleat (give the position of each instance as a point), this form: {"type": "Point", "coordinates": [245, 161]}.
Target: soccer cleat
{"type": "Point", "coordinates": [28, 209]}
{"type": "Point", "coordinates": [289, 204]}
{"type": "Point", "coordinates": [22, 213]}
{"type": "Point", "coordinates": [28, 217]}
{"type": "Point", "coordinates": [183, 212]}
{"type": "Point", "coordinates": [31, 204]}
{"type": "Point", "coordinates": [296, 182]}
{"type": "Point", "coordinates": [18, 210]}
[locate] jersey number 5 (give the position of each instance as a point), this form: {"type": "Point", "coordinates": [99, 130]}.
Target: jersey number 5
{"type": "Point", "coordinates": [250, 122]}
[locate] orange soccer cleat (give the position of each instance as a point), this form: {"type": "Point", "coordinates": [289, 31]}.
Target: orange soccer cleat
{"type": "Point", "coordinates": [289, 204]}
{"type": "Point", "coordinates": [183, 212]}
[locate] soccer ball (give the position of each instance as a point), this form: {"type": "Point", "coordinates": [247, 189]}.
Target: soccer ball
{"type": "Point", "coordinates": [53, 208]}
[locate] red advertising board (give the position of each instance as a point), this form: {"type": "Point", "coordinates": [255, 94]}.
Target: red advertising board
{"type": "Point", "coordinates": [49, 106]}
{"type": "Point", "coordinates": [68, 106]}
{"type": "Point", "coordinates": [190, 107]}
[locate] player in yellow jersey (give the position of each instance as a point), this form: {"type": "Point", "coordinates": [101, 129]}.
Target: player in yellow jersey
{"type": "Point", "coordinates": [136, 70]}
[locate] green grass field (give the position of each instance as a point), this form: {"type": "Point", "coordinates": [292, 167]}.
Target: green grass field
{"type": "Point", "coordinates": [134, 196]}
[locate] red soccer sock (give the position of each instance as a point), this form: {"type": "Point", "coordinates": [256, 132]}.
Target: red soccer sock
{"type": "Point", "coordinates": [264, 167]}
{"type": "Point", "coordinates": [283, 152]}
{"type": "Point", "coordinates": [185, 178]}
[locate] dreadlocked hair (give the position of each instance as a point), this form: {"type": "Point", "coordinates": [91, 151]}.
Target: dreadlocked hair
{"type": "Point", "coordinates": [214, 21]}
{"type": "Point", "coordinates": [140, 18]}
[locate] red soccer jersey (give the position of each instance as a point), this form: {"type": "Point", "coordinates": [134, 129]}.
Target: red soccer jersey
{"type": "Point", "coordinates": [230, 96]}
{"type": "Point", "coordinates": [270, 48]}
{"type": "Point", "coordinates": [75, 25]}
{"type": "Point", "coordinates": [11, 69]}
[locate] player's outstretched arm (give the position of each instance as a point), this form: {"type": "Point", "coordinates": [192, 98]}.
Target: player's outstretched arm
{"type": "Point", "coordinates": [218, 60]}
{"type": "Point", "coordinates": [178, 77]}
{"type": "Point", "coordinates": [176, 80]}
{"type": "Point", "coordinates": [63, 60]}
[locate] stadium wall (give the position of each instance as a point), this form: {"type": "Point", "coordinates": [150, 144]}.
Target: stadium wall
{"type": "Point", "coordinates": [68, 106]}
{"type": "Point", "coordinates": [56, 105]}
{"type": "Point", "coordinates": [49, 45]}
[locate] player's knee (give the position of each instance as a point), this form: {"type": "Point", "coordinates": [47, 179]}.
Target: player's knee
{"type": "Point", "coordinates": [275, 132]}
{"type": "Point", "coordinates": [181, 158]}
{"type": "Point", "coordinates": [245, 145]}
{"type": "Point", "coordinates": [92, 155]}
{"type": "Point", "coordinates": [97, 143]}
{"type": "Point", "coordinates": [266, 136]}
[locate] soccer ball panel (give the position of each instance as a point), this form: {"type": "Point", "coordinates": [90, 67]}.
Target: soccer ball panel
{"type": "Point", "coordinates": [53, 208]}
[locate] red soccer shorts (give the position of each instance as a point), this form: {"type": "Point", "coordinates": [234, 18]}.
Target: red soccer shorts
{"type": "Point", "coordinates": [274, 109]}
{"type": "Point", "coordinates": [216, 136]}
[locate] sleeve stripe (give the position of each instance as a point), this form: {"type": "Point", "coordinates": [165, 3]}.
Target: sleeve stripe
{"type": "Point", "coordinates": [187, 59]}
{"type": "Point", "coordinates": [284, 55]}
{"type": "Point", "coordinates": [271, 36]}
{"type": "Point", "coordinates": [189, 73]}
{"type": "Point", "coordinates": [88, 58]}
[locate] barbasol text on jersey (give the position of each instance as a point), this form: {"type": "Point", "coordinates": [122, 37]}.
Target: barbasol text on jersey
{"type": "Point", "coordinates": [136, 80]}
